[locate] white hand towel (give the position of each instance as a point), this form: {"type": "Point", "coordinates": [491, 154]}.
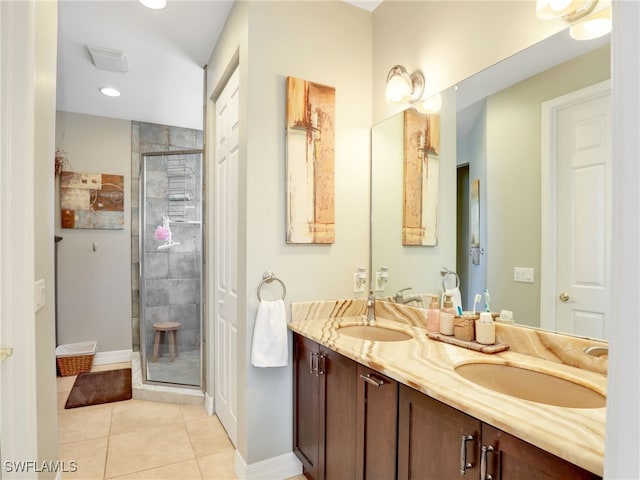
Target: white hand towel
{"type": "Point", "coordinates": [269, 347]}
{"type": "Point", "coordinates": [456, 297]}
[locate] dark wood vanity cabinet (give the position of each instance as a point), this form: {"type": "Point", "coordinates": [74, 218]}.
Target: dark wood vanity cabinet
{"type": "Point", "coordinates": [436, 441]}
{"type": "Point", "coordinates": [351, 422]}
{"type": "Point", "coordinates": [324, 422]}
{"type": "Point", "coordinates": [377, 425]}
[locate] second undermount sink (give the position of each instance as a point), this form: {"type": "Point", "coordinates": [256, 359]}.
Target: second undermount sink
{"type": "Point", "coordinates": [374, 333]}
{"type": "Point", "coordinates": [531, 385]}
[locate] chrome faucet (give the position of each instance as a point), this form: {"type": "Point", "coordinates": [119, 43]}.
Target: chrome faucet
{"type": "Point", "coordinates": [402, 299]}
{"type": "Point", "coordinates": [596, 350]}
{"type": "Point", "coordinates": [371, 307]}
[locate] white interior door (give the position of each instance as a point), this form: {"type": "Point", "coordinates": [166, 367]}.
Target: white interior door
{"type": "Point", "coordinates": [576, 294]}
{"type": "Point", "coordinates": [226, 255]}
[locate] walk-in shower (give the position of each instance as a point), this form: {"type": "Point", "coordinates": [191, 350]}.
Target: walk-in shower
{"type": "Point", "coordinates": [171, 267]}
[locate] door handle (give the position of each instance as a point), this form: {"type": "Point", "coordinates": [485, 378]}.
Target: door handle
{"type": "Point", "coordinates": [376, 382]}
{"type": "Point", "coordinates": [564, 297]}
{"type": "Point", "coordinates": [483, 462]}
{"type": "Point", "coordinates": [5, 352]}
{"type": "Point", "coordinates": [464, 465]}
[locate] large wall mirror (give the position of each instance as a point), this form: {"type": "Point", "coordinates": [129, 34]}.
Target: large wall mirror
{"type": "Point", "coordinates": [542, 219]}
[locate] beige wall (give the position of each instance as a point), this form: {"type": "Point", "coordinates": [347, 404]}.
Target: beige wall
{"type": "Point", "coordinates": [46, 16]}
{"type": "Point", "coordinates": [328, 43]}
{"type": "Point", "coordinates": [513, 186]}
{"type": "Point", "coordinates": [94, 288]}
{"type": "Point", "coordinates": [449, 41]}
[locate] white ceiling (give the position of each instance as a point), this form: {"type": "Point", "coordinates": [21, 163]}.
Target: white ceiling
{"type": "Point", "coordinates": [166, 50]}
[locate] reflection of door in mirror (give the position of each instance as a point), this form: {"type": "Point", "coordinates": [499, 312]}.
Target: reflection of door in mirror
{"type": "Point", "coordinates": [576, 207]}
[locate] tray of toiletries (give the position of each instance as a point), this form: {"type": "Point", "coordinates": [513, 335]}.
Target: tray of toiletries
{"type": "Point", "coordinates": [470, 344]}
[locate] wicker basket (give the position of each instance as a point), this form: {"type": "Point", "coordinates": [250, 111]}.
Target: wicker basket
{"type": "Point", "coordinates": [75, 358]}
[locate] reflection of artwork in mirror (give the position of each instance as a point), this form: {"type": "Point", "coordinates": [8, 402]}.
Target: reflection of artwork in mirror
{"type": "Point", "coordinates": [420, 178]}
{"type": "Point", "coordinates": [475, 221]}
{"type": "Point", "coordinates": [310, 162]}
{"type": "Point", "coordinates": [92, 200]}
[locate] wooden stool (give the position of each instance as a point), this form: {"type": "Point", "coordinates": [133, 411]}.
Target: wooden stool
{"type": "Point", "coordinates": [171, 328]}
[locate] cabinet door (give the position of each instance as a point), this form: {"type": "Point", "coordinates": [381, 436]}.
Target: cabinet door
{"type": "Point", "coordinates": [306, 405]}
{"type": "Point", "coordinates": [515, 459]}
{"type": "Point", "coordinates": [377, 425]}
{"type": "Point", "coordinates": [434, 440]}
{"type": "Point", "coordinates": [338, 402]}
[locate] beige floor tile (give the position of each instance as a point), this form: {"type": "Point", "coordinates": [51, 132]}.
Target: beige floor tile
{"type": "Point", "coordinates": [89, 457]}
{"type": "Point", "coordinates": [65, 384]}
{"type": "Point", "coordinates": [178, 471]}
{"type": "Point", "coordinates": [192, 412]}
{"type": "Point", "coordinates": [148, 448]}
{"type": "Point", "coordinates": [298, 477]}
{"type": "Point", "coordinates": [110, 366]}
{"type": "Point", "coordinates": [218, 466]}
{"type": "Point", "coordinates": [84, 423]}
{"type": "Point", "coordinates": [208, 436]}
{"type": "Point", "coordinates": [134, 415]}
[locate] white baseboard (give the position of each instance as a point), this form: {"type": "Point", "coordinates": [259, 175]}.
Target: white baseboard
{"type": "Point", "coordinates": [115, 356]}
{"type": "Point", "coordinates": [275, 468]}
{"type": "Point", "coordinates": [208, 403]}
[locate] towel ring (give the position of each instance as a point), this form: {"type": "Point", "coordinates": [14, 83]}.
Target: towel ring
{"type": "Point", "coordinates": [268, 277]}
{"type": "Point", "coordinates": [445, 273]}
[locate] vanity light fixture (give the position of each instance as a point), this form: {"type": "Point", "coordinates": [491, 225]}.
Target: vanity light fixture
{"type": "Point", "coordinates": [110, 92]}
{"type": "Point", "coordinates": [402, 87]}
{"type": "Point", "coordinates": [588, 18]}
{"type": "Point", "coordinates": [432, 104]}
{"type": "Point", "coordinates": [154, 4]}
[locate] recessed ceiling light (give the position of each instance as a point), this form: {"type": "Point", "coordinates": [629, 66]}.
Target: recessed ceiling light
{"type": "Point", "coordinates": [109, 92]}
{"type": "Point", "coordinates": [154, 4]}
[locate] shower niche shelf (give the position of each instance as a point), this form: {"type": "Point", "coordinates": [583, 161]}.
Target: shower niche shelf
{"type": "Point", "coordinates": [181, 191]}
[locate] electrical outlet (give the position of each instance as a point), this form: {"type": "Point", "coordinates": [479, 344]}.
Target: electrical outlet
{"type": "Point", "coordinates": [521, 274]}
{"type": "Point", "coordinates": [380, 282]}
{"type": "Point", "coordinates": [358, 285]}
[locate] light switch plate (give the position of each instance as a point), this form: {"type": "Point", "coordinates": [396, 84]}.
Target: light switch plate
{"type": "Point", "coordinates": [522, 274]}
{"type": "Point", "coordinates": [40, 294]}
{"type": "Point", "coordinates": [357, 287]}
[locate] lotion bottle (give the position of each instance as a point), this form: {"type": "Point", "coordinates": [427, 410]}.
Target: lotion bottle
{"type": "Point", "coordinates": [486, 329]}
{"type": "Point", "coordinates": [433, 316]}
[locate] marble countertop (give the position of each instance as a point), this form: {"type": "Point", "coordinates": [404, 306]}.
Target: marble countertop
{"type": "Point", "coordinates": [427, 365]}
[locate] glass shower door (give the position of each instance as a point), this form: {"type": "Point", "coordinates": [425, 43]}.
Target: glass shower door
{"type": "Point", "coordinates": [171, 267]}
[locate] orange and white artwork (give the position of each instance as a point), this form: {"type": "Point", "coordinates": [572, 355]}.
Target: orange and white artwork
{"type": "Point", "coordinates": [421, 178]}
{"type": "Point", "coordinates": [92, 200]}
{"type": "Point", "coordinates": [310, 142]}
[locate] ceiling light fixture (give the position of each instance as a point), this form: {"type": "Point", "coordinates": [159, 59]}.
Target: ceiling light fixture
{"type": "Point", "coordinates": [594, 26]}
{"type": "Point", "coordinates": [402, 87]}
{"type": "Point", "coordinates": [154, 4]}
{"type": "Point", "coordinates": [109, 92]}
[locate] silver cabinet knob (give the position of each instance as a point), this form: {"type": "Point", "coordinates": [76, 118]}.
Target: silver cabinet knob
{"type": "Point", "coordinates": [564, 297]}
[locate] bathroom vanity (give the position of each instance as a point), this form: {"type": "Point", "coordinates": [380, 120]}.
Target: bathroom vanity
{"type": "Point", "coordinates": [398, 409]}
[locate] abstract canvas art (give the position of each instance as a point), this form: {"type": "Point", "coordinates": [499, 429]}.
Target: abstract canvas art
{"type": "Point", "coordinates": [310, 142]}
{"type": "Point", "coordinates": [92, 200]}
{"type": "Point", "coordinates": [421, 178]}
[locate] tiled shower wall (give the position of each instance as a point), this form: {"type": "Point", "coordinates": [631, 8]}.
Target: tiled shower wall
{"type": "Point", "coordinates": [148, 137]}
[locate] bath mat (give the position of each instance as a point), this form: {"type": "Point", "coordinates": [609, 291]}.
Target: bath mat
{"type": "Point", "coordinates": [94, 388]}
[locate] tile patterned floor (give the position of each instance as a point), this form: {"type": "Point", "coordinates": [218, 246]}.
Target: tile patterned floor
{"type": "Point", "coordinates": [138, 439]}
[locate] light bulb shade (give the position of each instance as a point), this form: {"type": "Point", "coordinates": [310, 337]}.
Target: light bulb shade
{"type": "Point", "coordinates": [592, 27]}
{"type": "Point", "coordinates": [402, 87]}
{"type": "Point", "coordinates": [154, 4]}
{"type": "Point", "coordinates": [109, 92]}
{"type": "Point", "coordinates": [433, 104]}
{"type": "Point", "coordinates": [570, 10]}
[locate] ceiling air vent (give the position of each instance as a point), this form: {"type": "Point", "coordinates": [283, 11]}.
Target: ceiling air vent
{"type": "Point", "coordinates": [109, 59]}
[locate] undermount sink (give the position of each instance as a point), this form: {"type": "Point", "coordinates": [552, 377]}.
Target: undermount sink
{"type": "Point", "coordinates": [374, 333]}
{"type": "Point", "coordinates": [531, 385]}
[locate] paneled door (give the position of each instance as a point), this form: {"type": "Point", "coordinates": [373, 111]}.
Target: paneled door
{"type": "Point", "coordinates": [225, 306]}
{"type": "Point", "coordinates": [576, 245]}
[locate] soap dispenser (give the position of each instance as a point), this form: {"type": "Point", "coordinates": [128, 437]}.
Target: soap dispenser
{"type": "Point", "coordinates": [433, 315]}
{"type": "Point", "coordinates": [486, 329]}
{"type": "Point", "coordinates": [447, 305]}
